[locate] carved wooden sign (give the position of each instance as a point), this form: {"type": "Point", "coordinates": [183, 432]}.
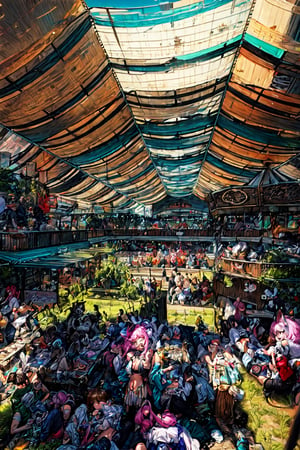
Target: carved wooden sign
{"type": "Point", "coordinates": [235, 197]}
{"type": "Point", "coordinates": [240, 198]}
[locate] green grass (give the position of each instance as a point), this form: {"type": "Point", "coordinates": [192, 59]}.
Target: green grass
{"type": "Point", "coordinates": [269, 424]}
{"type": "Point", "coordinates": [112, 305]}
{"type": "Point", "coordinates": [188, 316]}
{"type": "Point", "coordinates": [108, 304]}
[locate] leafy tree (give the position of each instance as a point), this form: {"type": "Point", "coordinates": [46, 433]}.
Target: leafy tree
{"type": "Point", "coordinates": [9, 183]}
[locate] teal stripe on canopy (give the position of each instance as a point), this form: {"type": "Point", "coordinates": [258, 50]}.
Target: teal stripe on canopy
{"type": "Point", "coordinates": [127, 3]}
{"type": "Point", "coordinates": [202, 55]}
{"type": "Point", "coordinates": [181, 127]}
{"type": "Point", "coordinates": [184, 187]}
{"type": "Point", "coordinates": [104, 150]}
{"type": "Point", "coordinates": [265, 46]}
{"type": "Point", "coordinates": [172, 164]}
{"type": "Point", "coordinates": [177, 143]}
{"type": "Point", "coordinates": [66, 185]}
{"type": "Point", "coordinates": [145, 17]}
{"type": "Point", "coordinates": [256, 134]}
{"type": "Point", "coordinates": [49, 61]}
{"type": "Point", "coordinates": [182, 180]}
{"type": "Point", "coordinates": [228, 169]}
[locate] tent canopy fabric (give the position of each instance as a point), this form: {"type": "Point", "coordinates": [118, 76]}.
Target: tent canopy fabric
{"type": "Point", "coordinates": [57, 261]}
{"type": "Point", "coordinates": [48, 252]}
{"type": "Point", "coordinates": [127, 103]}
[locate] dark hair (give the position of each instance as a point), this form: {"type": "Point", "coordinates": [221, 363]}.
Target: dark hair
{"type": "Point", "coordinates": [104, 444]}
{"type": "Point", "coordinates": [231, 321]}
{"type": "Point", "coordinates": [188, 371]}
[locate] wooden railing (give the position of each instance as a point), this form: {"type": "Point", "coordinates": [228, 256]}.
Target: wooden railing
{"type": "Point", "coordinates": [245, 233]}
{"type": "Point", "coordinates": [26, 240]}
{"type": "Point", "coordinates": [254, 269]}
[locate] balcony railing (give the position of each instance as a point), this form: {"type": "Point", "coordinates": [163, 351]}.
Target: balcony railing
{"type": "Point", "coordinates": [245, 233]}
{"type": "Point", "coordinates": [26, 240]}
{"type": "Point", "coordinates": [255, 269]}
{"type": "Point", "coordinates": [156, 232]}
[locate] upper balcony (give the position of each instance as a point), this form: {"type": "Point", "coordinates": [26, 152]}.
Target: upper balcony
{"type": "Point", "coordinates": [261, 269]}
{"type": "Point", "coordinates": [12, 241]}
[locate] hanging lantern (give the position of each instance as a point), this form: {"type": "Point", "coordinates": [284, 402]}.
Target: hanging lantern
{"type": "Point", "coordinates": [30, 169]}
{"type": "Point", "coordinates": [43, 176]}
{"type": "Point", "coordinates": [4, 160]}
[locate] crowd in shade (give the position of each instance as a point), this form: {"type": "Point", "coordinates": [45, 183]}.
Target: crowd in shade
{"type": "Point", "coordinates": [134, 383]}
{"type": "Point", "coordinates": [269, 350]}
{"type": "Point", "coordinates": [14, 316]}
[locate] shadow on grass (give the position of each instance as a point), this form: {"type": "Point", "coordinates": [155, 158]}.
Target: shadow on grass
{"type": "Point", "coordinates": [270, 424]}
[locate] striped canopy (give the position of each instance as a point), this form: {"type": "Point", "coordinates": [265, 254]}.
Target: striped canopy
{"type": "Point", "coordinates": [125, 103]}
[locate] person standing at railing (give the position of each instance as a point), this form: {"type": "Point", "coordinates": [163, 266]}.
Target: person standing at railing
{"type": "Point", "coordinates": [38, 217]}
{"type": "Point", "coordinates": [47, 225]}
{"type": "Point", "coordinates": [21, 213]}
{"type": "Point", "coordinates": [7, 217]}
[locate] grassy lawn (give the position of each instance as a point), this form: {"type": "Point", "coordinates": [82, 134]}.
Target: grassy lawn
{"type": "Point", "coordinates": [270, 424]}
{"type": "Point", "coordinates": [187, 316]}
{"type": "Point", "coordinates": [108, 304]}
{"type": "Point", "coordinates": [177, 314]}
{"type": "Point", "coordinates": [111, 305]}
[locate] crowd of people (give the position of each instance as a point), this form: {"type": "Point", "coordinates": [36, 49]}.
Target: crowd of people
{"type": "Point", "coordinates": [134, 383]}
{"type": "Point", "coordinates": [268, 348]}
{"type": "Point", "coordinates": [130, 383]}
{"type": "Point", "coordinates": [188, 289]}
{"type": "Point", "coordinates": [22, 216]}
{"type": "Point", "coordinates": [164, 255]}
{"type": "Point", "coordinates": [15, 316]}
